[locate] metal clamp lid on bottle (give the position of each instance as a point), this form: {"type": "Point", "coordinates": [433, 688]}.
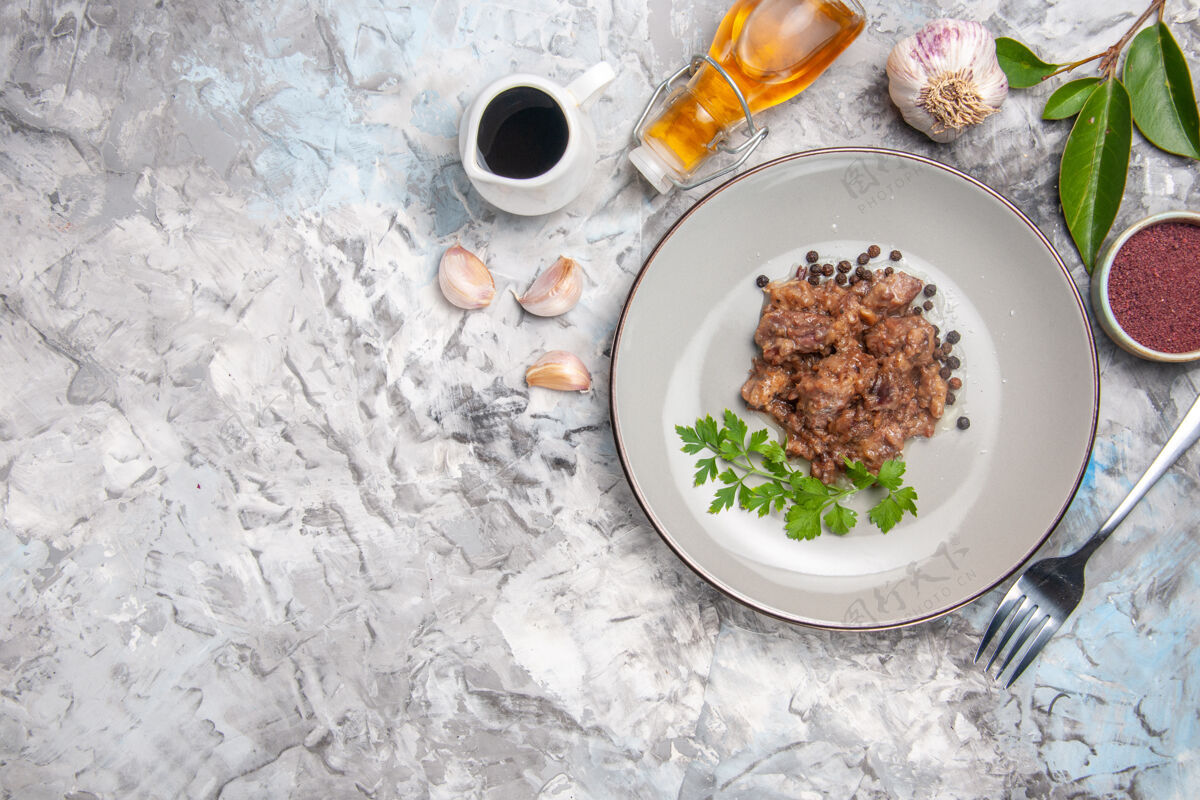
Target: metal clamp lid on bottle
{"type": "Point", "coordinates": [754, 133]}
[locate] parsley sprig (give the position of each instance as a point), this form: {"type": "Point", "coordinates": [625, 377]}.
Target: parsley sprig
{"type": "Point", "coordinates": [808, 502]}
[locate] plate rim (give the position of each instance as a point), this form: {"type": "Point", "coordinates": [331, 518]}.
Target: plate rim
{"type": "Point", "coordinates": [733, 592]}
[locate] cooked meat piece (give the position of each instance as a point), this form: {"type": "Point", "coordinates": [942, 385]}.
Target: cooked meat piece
{"type": "Point", "coordinates": [790, 294]}
{"type": "Point", "coordinates": [846, 371]}
{"type": "Point", "coordinates": [834, 382]}
{"type": "Point", "coordinates": [931, 392]}
{"type": "Point", "coordinates": [892, 292]}
{"type": "Point", "coordinates": [783, 332]}
{"type": "Point", "coordinates": [883, 442]}
{"type": "Point", "coordinates": [912, 336]}
{"type": "Point", "coordinates": [763, 385]}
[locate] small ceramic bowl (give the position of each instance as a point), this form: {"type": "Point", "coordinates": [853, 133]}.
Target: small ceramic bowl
{"type": "Point", "coordinates": [1101, 306]}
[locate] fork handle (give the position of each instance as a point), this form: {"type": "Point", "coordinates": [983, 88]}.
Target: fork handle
{"type": "Point", "coordinates": [1185, 435]}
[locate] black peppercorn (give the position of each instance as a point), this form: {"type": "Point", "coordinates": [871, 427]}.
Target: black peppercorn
{"type": "Point", "coordinates": [863, 258]}
{"type": "Point", "coordinates": [953, 363]}
{"type": "Point", "coordinates": [814, 280]}
{"type": "Point", "coordinates": [840, 279]}
{"type": "Point", "coordinates": [844, 266]}
{"type": "Point", "coordinates": [963, 423]}
{"type": "Point", "coordinates": [827, 270]}
{"type": "Point", "coordinates": [930, 290]}
{"type": "Point", "coordinates": [952, 337]}
{"type": "Point", "coordinates": [761, 281]}
{"type": "Point", "coordinates": [944, 372]}
{"type": "Point", "coordinates": [927, 305]}
{"type": "Point", "coordinates": [896, 255]}
{"type": "Point", "coordinates": [811, 256]}
{"type": "Point", "coordinates": [950, 398]}
{"type": "Point", "coordinates": [888, 271]}
{"type": "Point", "coordinates": [873, 250]}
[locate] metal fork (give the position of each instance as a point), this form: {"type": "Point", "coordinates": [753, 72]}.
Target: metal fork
{"type": "Point", "coordinates": [1046, 594]}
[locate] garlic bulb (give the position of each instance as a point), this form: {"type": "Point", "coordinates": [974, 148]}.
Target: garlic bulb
{"type": "Point", "coordinates": [559, 370]}
{"type": "Point", "coordinates": [464, 279]}
{"type": "Point", "coordinates": [555, 291]}
{"type": "Point", "coordinates": [945, 78]}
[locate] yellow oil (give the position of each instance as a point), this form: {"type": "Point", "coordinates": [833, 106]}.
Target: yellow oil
{"type": "Point", "coordinates": [773, 49]}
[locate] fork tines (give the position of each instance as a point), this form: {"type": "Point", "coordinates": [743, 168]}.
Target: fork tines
{"type": "Point", "coordinates": [1026, 620]}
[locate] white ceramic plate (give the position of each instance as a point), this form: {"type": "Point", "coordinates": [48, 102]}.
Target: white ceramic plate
{"type": "Point", "coordinates": [989, 496]}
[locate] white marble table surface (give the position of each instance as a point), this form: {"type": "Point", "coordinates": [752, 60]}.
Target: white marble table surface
{"type": "Point", "coordinates": [277, 521]}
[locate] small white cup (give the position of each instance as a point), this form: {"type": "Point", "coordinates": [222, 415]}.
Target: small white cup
{"type": "Point", "coordinates": [527, 143]}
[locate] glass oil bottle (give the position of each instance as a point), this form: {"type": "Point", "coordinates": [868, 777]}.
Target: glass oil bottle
{"type": "Point", "coordinates": [764, 52]}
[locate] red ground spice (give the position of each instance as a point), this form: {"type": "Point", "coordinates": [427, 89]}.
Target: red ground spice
{"type": "Point", "coordinates": [1154, 287]}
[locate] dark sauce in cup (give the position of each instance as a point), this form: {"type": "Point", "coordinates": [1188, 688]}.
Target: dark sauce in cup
{"type": "Point", "coordinates": [522, 133]}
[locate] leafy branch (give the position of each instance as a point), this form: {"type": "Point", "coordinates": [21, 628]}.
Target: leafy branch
{"type": "Point", "coordinates": [776, 486]}
{"type": "Point", "coordinates": [1154, 91]}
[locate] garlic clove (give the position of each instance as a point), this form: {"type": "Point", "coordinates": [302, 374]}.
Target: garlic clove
{"type": "Point", "coordinates": [464, 279]}
{"type": "Point", "coordinates": [555, 291]}
{"type": "Point", "coordinates": [559, 370]}
{"type": "Point", "coordinates": [945, 78]}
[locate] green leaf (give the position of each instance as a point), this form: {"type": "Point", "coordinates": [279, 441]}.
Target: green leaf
{"type": "Point", "coordinates": [769, 490]}
{"type": "Point", "coordinates": [1091, 177]}
{"type": "Point", "coordinates": [891, 474]}
{"type": "Point", "coordinates": [758, 499]}
{"type": "Point", "coordinates": [774, 453]}
{"type": "Point", "coordinates": [858, 474]}
{"type": "Point", "coordinates": [706, 470]}
{"type": "Point", "coordinates": [810, 502]}
{"type": "Point", "coordinates": [691, 442]}
{"type": "Point", "coordinates": [906, 498]}
{"type": "Point", "coordinates": [1020, 64]}
{"type": "Point", "coordinates": [1160, 91]}
{"type": "Point", "coordinates": [806, 503]}
{"type": "Point", "coordinates": [729, 450]}
{"type": "Point", "coordinates": [886, 513]}
{"type": "Point", "coordinates": [840, 519]}
{"type": "Point", "coordinates": [808, 486]}
{"type": "Point", "coordinates": [736, 427]}
{"type": "Point", "coordinates": [706, 430]}
{"type": "Point", "coordinates": [1069, 98]}
{"type": "Point", "coordinates": [779, 469]}
{"type": "Point", "coordinates": [723, 499]}
{"type": "Point", "coordinates": [802, 523]}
